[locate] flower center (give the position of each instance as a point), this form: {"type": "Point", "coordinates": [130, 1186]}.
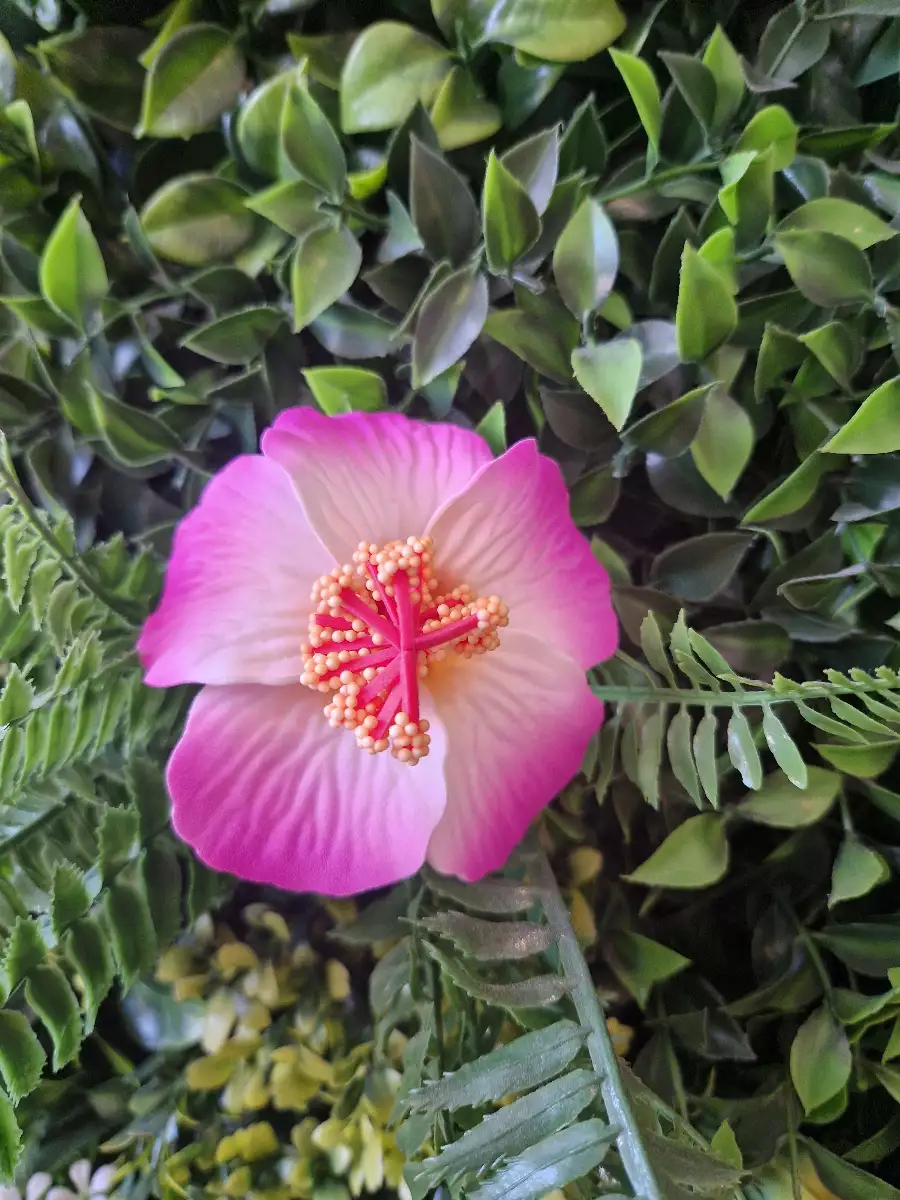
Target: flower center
{"type": "Point", "coordinates": [376, 629]}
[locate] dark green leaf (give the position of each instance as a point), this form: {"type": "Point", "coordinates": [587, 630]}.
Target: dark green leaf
{"type": "Point", "coordinates": [554, 1162]}
{"type": "Point", "coordinates": [235, 338]}
{"type": "Point", "coordinates": [869, 948]}
{"type": "Point", "coordinates": [451, 319]}
{"type": "Point", "coordinates": [198, 219]}
{"type": "Point", "coordinates": [442, 206]}
{"type": "Point", "coordinates": [698, 569]}
{"type": "Point", "coordinates": [310, 149]}
{"type": "Point", "coordinates": [22, 1058]}
{"type": "Point", "coordinates": [827, 270]}
{"type": "Point", "coordinates": [48, 992]}
{"type": "Point", "coordinates": [10, 1140]}
{"type": "Point", "coordinates": [490, 941]}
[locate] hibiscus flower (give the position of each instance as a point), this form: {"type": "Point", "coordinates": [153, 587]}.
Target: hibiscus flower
{"type": "Point", "coordinates": [392, 629]}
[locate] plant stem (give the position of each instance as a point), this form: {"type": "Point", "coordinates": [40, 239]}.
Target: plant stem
{"type": "Point", "coordinates": [629, 1141]}
{"type": "Point", "coordinates": [764, 698]}
{"type": "Point", "coordinates": [652, 181]}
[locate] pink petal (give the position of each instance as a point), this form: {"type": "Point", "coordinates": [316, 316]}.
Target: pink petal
{"type": "Point", "coordinates": [264, 788]}
{"type": "Point", "coordinates": [371, 476]}
{"type": "Point", "coordinates": [236, 597]}
{"type": "Point", "coordinates": [510, 534]}
{"type": "Point", "coordinates": [517, 721]}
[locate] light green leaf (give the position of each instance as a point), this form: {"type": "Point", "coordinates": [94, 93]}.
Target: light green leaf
{"type": "Point", "coordinates": [641, 963]}
{"type": "Point", "coordinates": [820, 1059]}
{"type": "Point", "coordinates": [259, 124]}
{"type": "Point", "coordinates": [555, 30]}
{"type": "Point", "coordinates": [857, 870]}
{"type": "Point", "coordinates": [586, 259]}
{"type": "Point", "coordinates": [346, 389]}
{"type": "Point", "coordinates": [782, 805]}
{"type": "Point", "coordinates": [706, 315]}
{"type": "Point", "coordinates": [843, 218]}
{"type": "Point", "coordinates": [609, 373]}
{"type": "Point", "coordinates": [535, 163]}
{"type": "Point", "coordinates": [509, 218]}
{"type": "Point", "coordinates": [772, 127]}
{"type": "Point", "coordinates": [196, 76]}
{"type": "Point", "coordinates": [460, 114]}
{"type": "Point", "coordinates": [724, 442]}
{"type": "Point", "coordinates": [784, 749]}
{"type": "Point", "coordinates": [197, 219]}
{"type": "Point", "coordinates": [490, 941]}
{"type": "Point", "coordinates": [390, 68]}
{"type": "Point", "coordinates": [48, 992]}
{"type": "Point", "coordinates": [875, 426]}
{"type": "Point", "coordinates": [742, 750]}
{"type": "Point", "coordinates": [695, 855]}
{"type": "Point", "coordinates": [72, 272]}
{"type": "Point", "coordinates": [293, 206]}
{"type": "Point", "coordinates": [644, 92]}
{"type": "Point", "coordinates": [492, 427]}
{"type": "Point", "coordinates": [724, 62]}
{"type": "Point", "coordinates": [10, 1140]}
{"type": "Point", "coordinates": [324, 267]}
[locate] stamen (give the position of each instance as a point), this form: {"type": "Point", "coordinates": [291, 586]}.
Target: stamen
{"type": "Point", "coordinates": [378, 627]}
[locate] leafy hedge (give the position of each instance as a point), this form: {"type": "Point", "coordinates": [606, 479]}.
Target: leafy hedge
{"type": "Point", "coordinates": [661, 238]}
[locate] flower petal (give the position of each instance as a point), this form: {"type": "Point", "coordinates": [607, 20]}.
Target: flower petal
{"type": "Point", "coordinates": [103, 1179]}
{"type": "Point", "coordinates": [234, 605]}
{"type": "Point", "coordinates": [264, 788]}
{"type": "Point", "coordinates": [80, 1174]}
{"type": "Point", "coordinates": [36, 1187]}
{"type": "Point", "coordinates": [517, 722]}
{"type": "Point", "coordinates": [510, 534]}
{"type": "Point", "coordinates": [371, 476]}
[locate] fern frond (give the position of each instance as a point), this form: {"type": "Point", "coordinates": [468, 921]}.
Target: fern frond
{"type": "Point", "coordinates": [740, 720]}
{"type": "Point", "coordinates": [547, 1108]}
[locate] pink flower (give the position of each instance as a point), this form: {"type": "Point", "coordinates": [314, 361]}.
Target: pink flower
{"type": "Point", "coordinates": [454, 635]}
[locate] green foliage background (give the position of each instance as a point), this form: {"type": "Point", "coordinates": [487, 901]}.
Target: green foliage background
{"type": "Point", "coordinates": [661, 238]}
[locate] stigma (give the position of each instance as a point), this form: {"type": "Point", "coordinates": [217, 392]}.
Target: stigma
{"type": "Point", "coordinates": [378, 626]}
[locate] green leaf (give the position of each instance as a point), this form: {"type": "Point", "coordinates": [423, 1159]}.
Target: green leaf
{"type": "Point", "coordinates": [724, 442]}
{"type": "Point", "coordinates": [460, 114]}
{"type": "Point", "coordinates": [10, 1140]}
{"type": "Point", "coordinates": [556, 32]}
{"type": "Point", "coordinates": [593, 497]}
{"type": "Point", "coordinates": [131, 929]}
{"type": "Point", "coordinates": [836, 347]}
{"type": "Point", "coordinates": [135, 438]}
{"type": "Point", "coordinates": [867, 947]}
{"type": "Point", "coordinates": [450, 320]}
{"type": "Point", "coordinates": [100, 66]}
{"type": "Point", "coordinates": [784, 749]}
{"type": "Point", "coordinates": [696, 83]}
{"type": "Point", "coordinates": [259, 125]}
{"type": "Point", "coordinates": [324, 266]}
{"type": "Point", "coordinates": [48, 992]}
{"type": "Point", "coordinates": [310, 148]}
{"type": "Point", "coordinates": [521, 1065]}
{"type": "Point", "coordinates": [117, 841]}
{"type": "Point", "coordinates": [772, 127]}
{"type": "Point", "coordinates": [706, 315]}
{"type": "Point", "coordinates": [535, 164]}
{"type": "Point", "coordinates": [495, 898]}
{"type": "Point", "coordinates": [325, 54]}
{"type": "Point", "coordinates": [724, 63]}
{"type": "Point", "coordinates": [699, 568]}
{"type": "Point", "coordinates": [742, 750]}
{"type": "Point", "coordinates": [163, 884]}
{"type": "Point", "coordinates": [492, 427]}
{"type": "Point", "coordinates": [875, 426]}
{"type": "Point", "coordinates": [586, 259]}
{"type": "Point", "coordinates": [792, 493]}
{"type": "Point", "coordinates": [865, 761]}
{"type": "Point", "coordinates": [72, 272]}
{"type": "Point", "coordinates": [71, 898]}
{"type": "Point", "coordinates": [827, 270]}
{"type": "Point", "coordinates": [293, 206]}
{"type": "Point", "coordinates": [197, 75]}
{"type": "Point", "coordinates": [844, 1179]}
{"type": "Point", "coordinates": [558, 1160]}
{"type": "Point", "coordinates": [641, 963]}
{"type": "Point", "coordinates": [857, 870]}
{"type": "Point", "coordinates": [842, 218]}
{"type": "Point", "coordinates": [583, 146]}
{"type": "Point", "coordinates": [197, 219]}
{"type": "Point", "coordinates": [509, 1131]}
{"type": "Point", "coordinates": [695, 855]}
{"type": "Point", "coordinates": [534, 991]}
{"type": "Point", "coordinates": [87, 947]}
{"type": "Point", "coordinates": [782, 805]}
{"type": "Point", "coordinates": [442, 206]}
{"type": "Point", "coordinates": [390, 68]}
{"type": "Point", "coordinates": [820, 1059]}
{"type": "Point", "coordinates": [25, 949]}
{"type": "Point", "coordinates": [346, 389]}
{"type": "Point", "coordinates": [609, 372]}
{"type": "Point", "coordinates": [510, 220]}
{"type": "Point", "coordinates": [17, 697]}
{"type": "Point", "coordinates": [237, 337]}
{"type": "Point", "coordinates": [644, 92]}
{"type": "Point", "coordinates": [22, 1057]}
